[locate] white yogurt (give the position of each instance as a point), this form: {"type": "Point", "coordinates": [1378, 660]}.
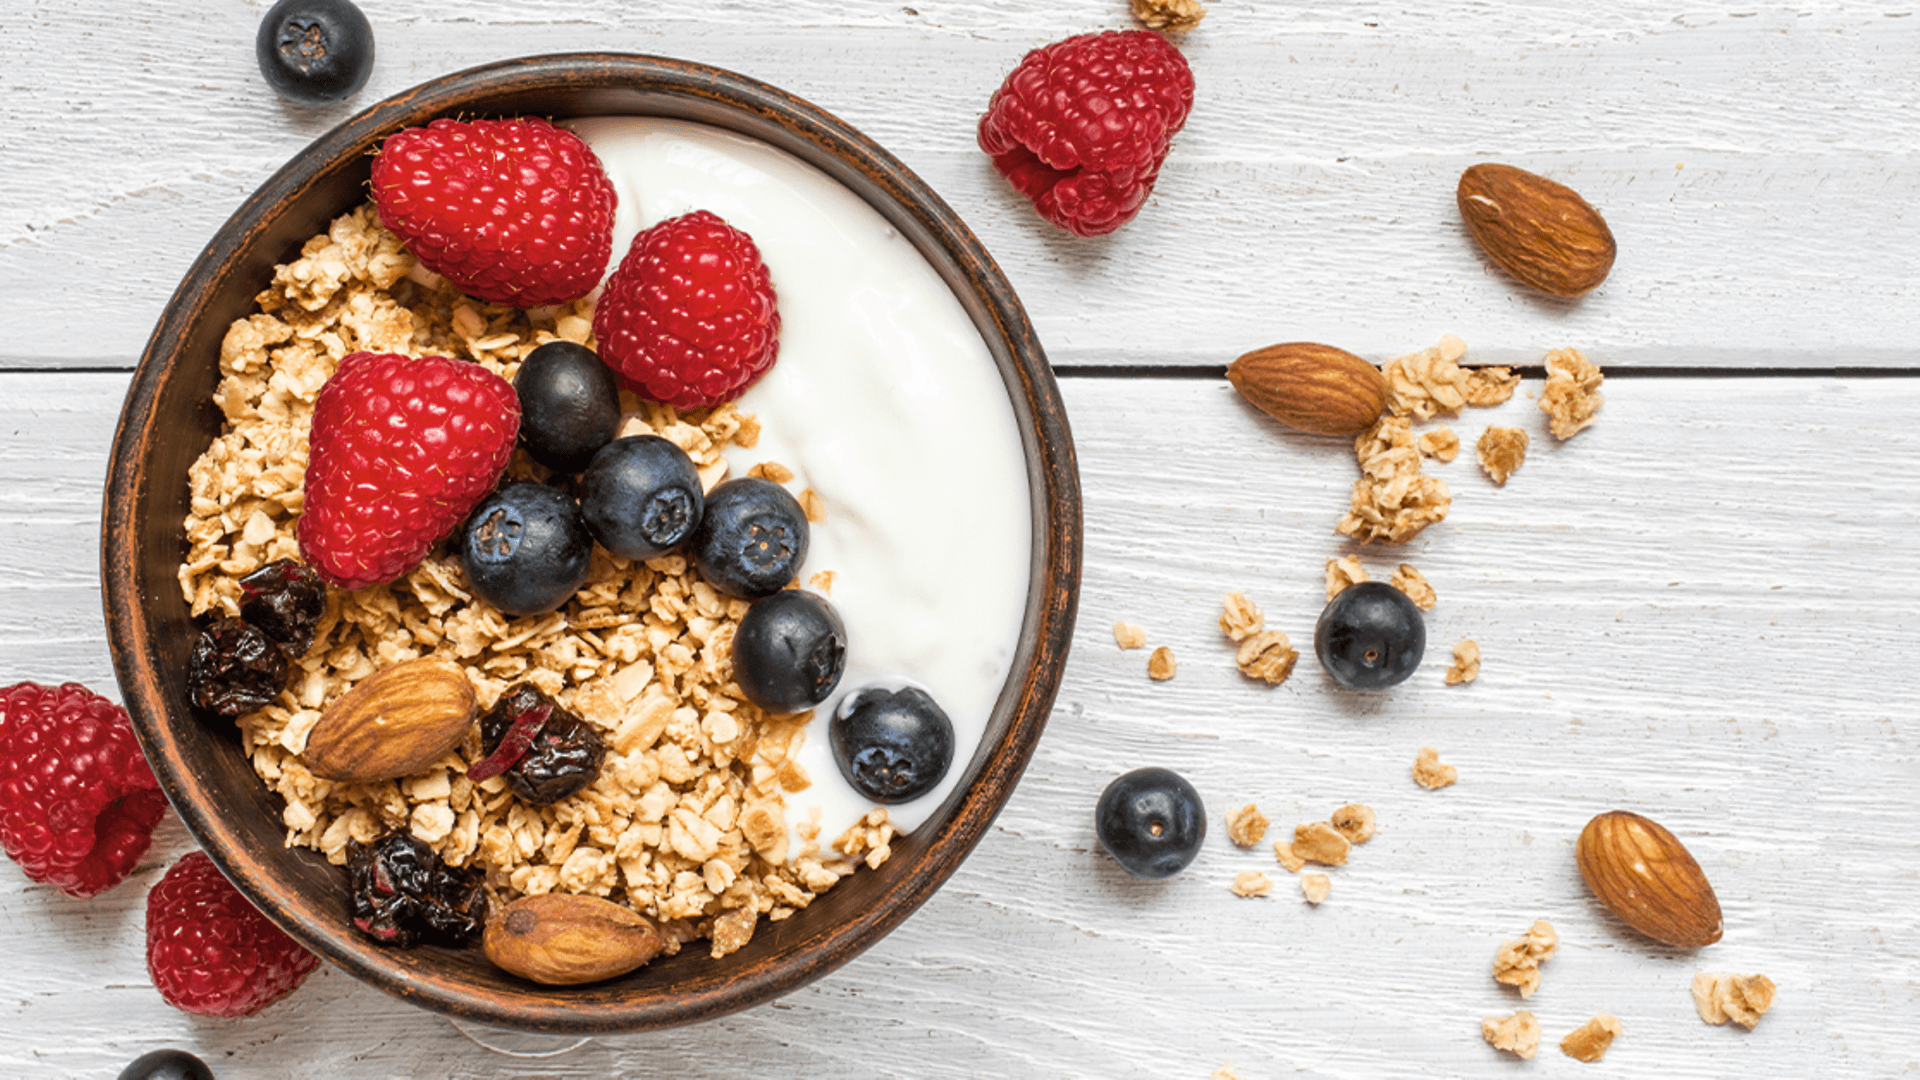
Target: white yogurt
{"type": "Point", "coordinates": [884, 401]}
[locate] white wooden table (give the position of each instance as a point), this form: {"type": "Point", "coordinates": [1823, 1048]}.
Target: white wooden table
{"type": "Point", "coordinates": [1704, 607]}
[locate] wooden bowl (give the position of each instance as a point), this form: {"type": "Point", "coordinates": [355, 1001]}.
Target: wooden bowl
{"type": "Point", "coordinates": [168, 420]}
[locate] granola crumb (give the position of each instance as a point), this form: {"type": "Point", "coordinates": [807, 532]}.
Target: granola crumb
{"type": "Point", "coordinates": [1246, 826]}
{"type": "Point", "coordinates": [1252, 883]}
{"type": "Point", "coordinates": [813, 506]}
{"type": "Point", "coordinates": [1240, 618]}
{"type": "Point", "coordinates": [1354, 821]}
{"type": "Point", "coordinates": [1284, 854]}
{"type": "Point", "coordinates": [1721, 997]}
{"type": "Point", "coordinates": [1518, 1034]}
{"type": "Point", "coordinates": [1392, 500]}
{"type": "Point", "coordinates": [1319, 842]}
{"type": "Point", "coordinates": [1267, 655]}
{"type": "Point", "coordinates": [1174, 15]}
{"type": "Point", "coordinates": [1343, 572]}
{"type": "Point", "coordinates": [1224, 1072]}
{"type": "Point", "coordinates": [1160, 666]}
{"type": "Point", "coordinates": [771, 470]}
{"type": "Point", "coordinates": [1412, 582]}
{"type": "Point", "coordinates": [1430, 774]}
{"type": "Point", "coordinates": [1501, 450]}
{"type": "Point", "coordinates": [1589, 1041]}
{"type": "Point", "coordinates": [1315, 887]}
{"type": "Point", "coordinates": [1421, 384]}
{"type": "Point", "coordinates": [1129, 635]}
{"type": "Point", "coordinates": [1440, 444]}
{"type": "Point", "coordinates": [1517, 964]}
{"type": "Point", "coordinates": [1466, 663]}
{"type": "Point", "coordinates": [1572, 398]}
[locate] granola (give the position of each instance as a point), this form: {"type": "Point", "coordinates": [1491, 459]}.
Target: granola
{"type": "Point", "coordinates": [1247, 825]}
{"type": "Point", "coordinates": [1319, 842]}
{"type": "Point", "coordinates": [1429, 773]}
{"type": "Point", "coordinates": [1501, 450]}
{"type": "Point", "coordinates": [1466, 663]}
{"type": "Point", "coordinates": [1284, 854]}
{"type": "Point", "coordinates": [1129, 635]}
{"type": "Point", "coordinates": [1517, 964]}
{"type": "Point", "coordinates": [1240, 618]}
{"type": "Point", "coordinates": [1392, 500]}
{"type": "Point", "coordinates": [1342, 572]}
{"type": "Point", "coordinates": [1589, 1042]}
{"type": "Point", "coordinates": [1441, 444]}
{"type": "Point", "coordinates": [1252, 883]}
{"type": "Point", "coordinates": [1740, 998]}
{"type": "Point", "coordinates": [1267, 655]}
{"type": "Point", "coordinates": [1412, 582]}
{"type": "Point", "coordinates": [1315, 887]}
{"type": "Point", "coordinates": [1175, 15]}
{"type": "Point", "coordinates": [1354, 821]}
{"type": "Point", "coordinates": [1161, 665]}
{"type": "Point", "coordinates": [1571, 399]}
{"type": "Point", "coordinates": [1518, 1034]}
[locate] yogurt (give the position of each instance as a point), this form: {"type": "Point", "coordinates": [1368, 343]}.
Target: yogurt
{"type": "Point", "coordinates": [886, 402]}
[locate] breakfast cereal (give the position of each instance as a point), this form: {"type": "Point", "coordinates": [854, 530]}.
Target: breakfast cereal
{"type": "Point", "coordinates": [1315, 888]}
{"type": "Point", "coordinates": [1590, 1041]}
{"type": "Point", "coordinates": [1466, 663]}
{"type": "Point", "coordinates": [1517, 964]}
{"type": "Point", "coordinates": [1518, 1034]}
{"type": "Point", "coordinates": [1429, 773]}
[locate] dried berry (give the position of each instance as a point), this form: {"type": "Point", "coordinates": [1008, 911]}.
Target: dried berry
{"type": "Point", "coordinates": [549, 753]}
{"type": "Point", "coordinates": [235, 669]}
{"type": "Point", "coordinates": [285, 600]}
{"type": "Point", "coordinates": [403, 894]}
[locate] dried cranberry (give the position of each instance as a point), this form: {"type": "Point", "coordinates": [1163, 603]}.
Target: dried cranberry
{"type": "Point", "coordinates": [285, 600]}
{"type": "Point", "coordinates": [235, 669]}
{"type": "Point", "coordinates": [404, 894]}
{"type": "Point", "coordinates": [563, 756]}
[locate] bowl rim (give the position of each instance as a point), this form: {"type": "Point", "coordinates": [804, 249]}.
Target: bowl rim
{"type": "Point", "coordinates": [760, 111]}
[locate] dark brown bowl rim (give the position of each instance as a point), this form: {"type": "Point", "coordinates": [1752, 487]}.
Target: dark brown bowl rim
{"type": "Point", "coordinates": [678, 88]}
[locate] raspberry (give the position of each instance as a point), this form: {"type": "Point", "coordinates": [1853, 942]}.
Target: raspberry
{"type": "Point", "coordinates": [77, 801]}
{"type": "Point", "coordinates": [210, 952]}
{"type": "Point", "coordinates": [512, 211]}
{"type": "Point", "coordinates": [689, 317]}
{"type": "Point", "coordinates": [1082, 125]}
{"type": "Point", "coordinates": [401, 449]}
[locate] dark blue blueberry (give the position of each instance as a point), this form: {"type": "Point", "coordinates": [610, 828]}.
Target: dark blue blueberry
{"type": "Point", "coordinates": [641, 496]}
{"type": "Point", "coordinates": [526, 548]}
{"type": "Point", "coordinates": [569, 405]}
{"type": "Point", "coordinates": [891, 745]}
{"type": "Point", "coordinates": [1370, 636]}
{"type": "Point", "coordinates": [1151, 821]}
{"type": "Point", "coordinates": [166, 1065]}
{"type": "Point", "coordinates": [752, 539]}
{"type": "Point", "coordinates": [790, 651]}
{"type": "Point", "coordinates": [315, 51]}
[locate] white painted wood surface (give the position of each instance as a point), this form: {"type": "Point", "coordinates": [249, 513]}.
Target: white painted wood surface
{"type": "Point", "coordinates": [1701, 607]}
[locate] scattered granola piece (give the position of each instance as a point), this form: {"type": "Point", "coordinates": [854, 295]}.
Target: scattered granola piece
{"type": "Point", "coordinates": [1252, 883]}
{"type": "Point", "coordinates": [1572, 397]}
{"type": "Point", "coordinates": [771, 470]}
{"type": "Point", "coordinates": [1518, 1034]}
{"type": "Point", "coordinates": [1487, 386]}
{"type": "Point", "coordinates": [1160, 666]}
{"type": "Point", "coordinates": [1414, 584]}
{"type": "Point", "coordinates": [1392, 500]}
{"type": "Point", "coordinates": [1343, 572]}
{"type": "Point", "coordinates": [1315, 887]}
{"type": "Point", "coordinates": [1224, 1072]}
{"type": "Point", "coordinates": [1175, 15]}
{"type": "Point", "coordinates": [1129, 635]}
{"type": "Point", "coordinates": [1441, 444]}
{"type": "Point", "coordinates": [1240, 618]}
{"type": "Point", "coordinates": [1430, 774]}
{"type": "Point", "coordinates": [1353, 821]}
{"type": "Point", "coordinates": [1430, 381]}
{"type": "Point", "coordinates": [1267, 655]}
{"type": "Point", "coordinates": [1318, 842]}
{"type": "Point", "coordinates": [1247, 825]}
{"type": "Point", "coordinates": [1589, 1041]}
{"type": "Point", "coordinates": [1501, 450]}
{"type": "Point", "coordinates": [1466, 663]}
{"type": "Point", "coordinates": [813, 506]}
{"type": "Point", "coordinates": [1722, 997]}
{"type": "Point", "coordinates": [1283, 853]}
{"type": "Point", "coordinates": [1517, 964]}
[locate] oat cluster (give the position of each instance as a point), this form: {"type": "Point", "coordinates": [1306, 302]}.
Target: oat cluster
{"type": "Point", "coordinates": [1518, 1034]}
{"type": "Point", "coordinates": [686, 821]}
{"type": "Point", "coordinates": [1590, 1041]}
{"type": "Point", "coordinates": [1252, 883]}
{"type": "Point", "coordinates": [1315, 888]}
{"type": "Point", "coordinates": [1466, 663]}
{"type": "Point", "coordinates": [1722, 997]}
{"type": "Point", "coordinates": [1517, 964]}
{"type": "Point", "coordinates": [1342, 572]}
{"type": "Point", "coordinates": [1129, 635]}
{"type": "Point", "coordinates": [1571, 399]}
{"type": "Point", "coordinates": [1246, 826]}
{"type": "Point", "coordinates": [1174, 15]}
{"type": "Point", "coordinates": [1429, 382]}
{"type": "Point", "coordinates": [1161, 665]}
{"type": "Point", "coordinates": [1411, 581]}
{"type": "Point", "coordinates": [1262, 654]}
{"type": "Point", "coordinates": [1393, 499]}
{"type": "Point", "coordinates": [1440, 444]}
{"type": "Point", "coordinates": [1429, 773]}
{"type": "Point", "coordinates": [1501, 450]}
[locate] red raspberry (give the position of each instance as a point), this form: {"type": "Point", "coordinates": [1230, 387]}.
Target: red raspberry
{"type": "Point", "coordinates": [512, 211]}
{"type": "Point", "coordinates": [1082, 125]}
{"type": "Point", "coordinates": [210, 952]}
{"type": "Point", "coordinates": [689, 316]}
{"type": "Point", "coordinates": [401, 449]}
{"type": "Point", "coordinates": [77, 801]}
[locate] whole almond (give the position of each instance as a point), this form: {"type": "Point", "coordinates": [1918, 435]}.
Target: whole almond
{"type": "Point", "coordinates": [393, 723]}
{"type": "Point", "coordinates": [1647, 877]}
{"type": "Point", "coordinates": [1539, 231]}
{"type": "Point", "coordinates": [561, 939]}
{"type": "Point", "coordinates": [1313, 388]}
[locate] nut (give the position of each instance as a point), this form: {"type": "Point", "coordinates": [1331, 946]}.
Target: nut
{"type": "Point", "coordinates": [1539, 231]}
{"type": "Point", "coordinates": [1314, 388]}
{"type": "Point", "coordinates": [393, 723]}
{"type": "Point", "coordinates": [561, 939]}
{"type": "Point", "coordinates": [1646, 876]}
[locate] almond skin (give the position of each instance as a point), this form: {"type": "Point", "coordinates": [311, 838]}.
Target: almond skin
{"type": "Point", "coordinates": [1539, 231]}
{"type": "Point", "coordinates": [1647, 877]}
{"type": "Point", "coordinates": [393, 723]}
{"type": "Point", "coordinates": [561, 939]}
{"type": "Point", "coordinates": [1313, 388]}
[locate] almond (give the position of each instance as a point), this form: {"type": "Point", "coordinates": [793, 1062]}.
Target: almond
{"type": "Point", "coordinates": [561, 939]}
{"type": "Point", "coordinates": [1314, 388]}
{"type": "Point", "coordinates": [1646, 876]}
{"type": "Point", "coordinates": [393, 723]}
{"type": "Point", "coordinates": [1539, 231]}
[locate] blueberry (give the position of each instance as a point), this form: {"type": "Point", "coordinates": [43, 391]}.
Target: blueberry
{"type": "Point", "coordinates": [891, 745]}
{"type": "Point", "coordinates": [526, 548]}
{"type": "Point", "coordinates": [315, 51]}
{"type": "Point", "coordinates": [641, 496]}
{"type": "Point", "coordinates": [752, 539]}
{"type": "Point", "coordinates": [1151, 821]}
{"type": "Point", "coordinates": [166, 1065]}
{"type": "Point", "coordinates": [1370, 636]}
{"type": "Point", "coordinates": [790, 651]}
{"type": "Point", "coordinates": [569, 405]}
